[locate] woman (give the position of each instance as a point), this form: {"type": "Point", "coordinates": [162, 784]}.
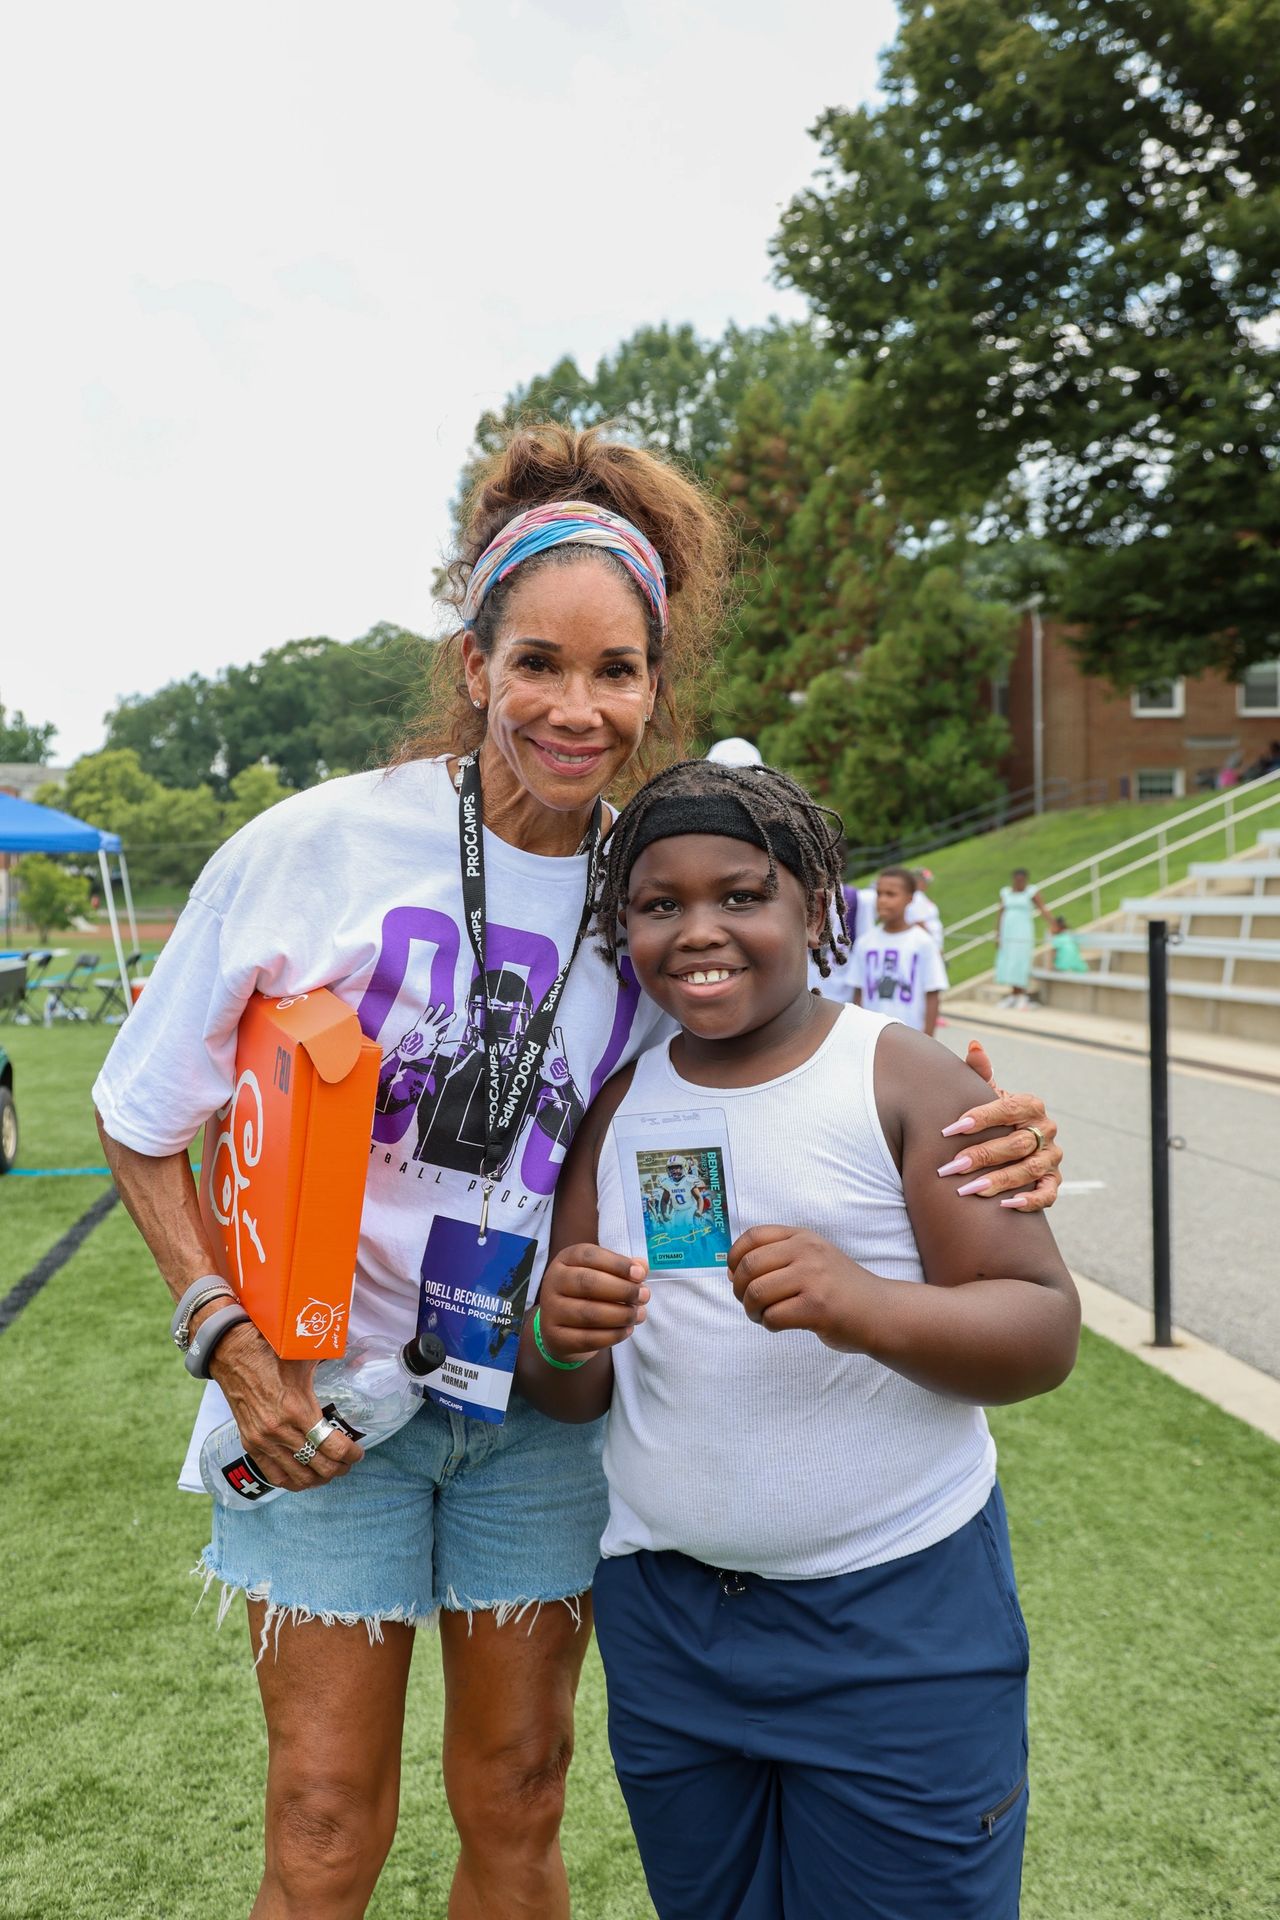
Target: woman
{"type": "Point", "coordinates": [1016, 937]}
{"type": "Point", "coordinates": [592, 574]}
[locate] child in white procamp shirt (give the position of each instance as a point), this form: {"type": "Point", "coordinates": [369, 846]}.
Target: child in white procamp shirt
{"type": "Point", "coordinates": [897, 968]}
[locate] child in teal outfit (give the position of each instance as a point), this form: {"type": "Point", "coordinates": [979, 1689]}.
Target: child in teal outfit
{"type": "Point", "coordinates": [1067, 957]}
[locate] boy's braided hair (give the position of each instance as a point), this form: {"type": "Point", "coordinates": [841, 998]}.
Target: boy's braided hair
{"type": "Point", "coordinates": [781, 812]}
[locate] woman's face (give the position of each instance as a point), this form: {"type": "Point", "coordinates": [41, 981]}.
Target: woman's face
{"type": "Point", "coordinates": [567, 686]}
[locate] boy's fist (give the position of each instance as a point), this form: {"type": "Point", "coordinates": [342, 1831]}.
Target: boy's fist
{"type": "Point", "coordinates": [590, 1299]}
{"type": "Point", "coordinates": [788, 1278]}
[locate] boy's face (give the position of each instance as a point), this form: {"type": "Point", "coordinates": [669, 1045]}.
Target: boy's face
{"type": "Point", "coordinates": [707, 942]}
{"type": "Point", "coordinates": [893, 897]}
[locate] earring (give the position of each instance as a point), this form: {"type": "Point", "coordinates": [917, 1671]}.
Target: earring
{"type": "Point", "coordinates": [479, 704]}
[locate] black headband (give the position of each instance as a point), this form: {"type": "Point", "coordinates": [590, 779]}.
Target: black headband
{"type": "Point", "coordinates": [718, 813]}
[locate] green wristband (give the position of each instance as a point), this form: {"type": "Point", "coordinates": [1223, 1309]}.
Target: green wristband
{"type": "Point", "coordinates": [561, 1366]}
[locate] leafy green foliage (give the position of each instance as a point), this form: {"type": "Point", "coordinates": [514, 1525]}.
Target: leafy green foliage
{"type": "Point", "coordinates": [667, 388]}
{"type": "Point", "coordinates": [1054, 243]}
{"type": "Point", "coordinates": [859, 668]}
{"type": "Point", "coordinates": [253, 790]}
{"type": "Point", "coordinates": [51, 896]}
{"type": "Point", "coordinates": [22, 739]}
{"type": "Point", "coordinates": [312, 708]}
{"type": "Point", "coordinates": [168, 832]}
{"type": "Point", "coordinates": [176, 732]}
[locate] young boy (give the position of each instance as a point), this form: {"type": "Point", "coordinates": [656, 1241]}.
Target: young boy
{"type": "Point", "coordinates": [806, 1607]}
{"type": "Point", "coordinates": [896, 967]}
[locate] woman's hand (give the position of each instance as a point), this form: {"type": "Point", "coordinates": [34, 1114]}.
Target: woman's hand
{"type": "Point", "coordinates": [1016, 1166]}
{"type": "Point", "coordinates": [590, 1299]}
{"type": "Point", "coordinates": [273, 1406]}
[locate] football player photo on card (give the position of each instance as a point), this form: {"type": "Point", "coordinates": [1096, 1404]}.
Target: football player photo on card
{"type": "Point", "coordinates": [678, 1185]}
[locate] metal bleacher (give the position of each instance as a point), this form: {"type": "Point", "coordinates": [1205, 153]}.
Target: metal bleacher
{"type": "Point", "coordinates": [1224, 952]}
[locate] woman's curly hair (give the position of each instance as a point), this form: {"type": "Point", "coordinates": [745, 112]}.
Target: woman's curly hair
{"type": "Point", "coordinates": [547, 461]}
{"type": "Point", "coordinates": [773, 801]}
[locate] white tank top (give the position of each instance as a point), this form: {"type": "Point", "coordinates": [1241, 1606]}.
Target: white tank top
{"type": "Point", "coordinates": [766, 1452]}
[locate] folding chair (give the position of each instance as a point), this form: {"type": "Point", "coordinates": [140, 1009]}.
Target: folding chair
{"type": "Point", "coordinates": [111, 991]}
{"type": "Point", "coordinates": [64, 996]}
{"type": "Point", "coordinates": [26, 1012]}
{"type": "Point", "coordinates": [13, 983]}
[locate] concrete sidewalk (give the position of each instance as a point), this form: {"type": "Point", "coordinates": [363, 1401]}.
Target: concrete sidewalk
{"type": "Point", "coordinates": [1233, 1385]}
{"type": "Point", "coordinates": [1215, 1053]}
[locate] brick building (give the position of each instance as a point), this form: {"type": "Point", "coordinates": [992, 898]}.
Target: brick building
{"type": "Point", "coordinates": [1160, 742]}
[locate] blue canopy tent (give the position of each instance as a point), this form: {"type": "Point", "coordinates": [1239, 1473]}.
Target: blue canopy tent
{"type": "Point", "coordinates": [27, 828]}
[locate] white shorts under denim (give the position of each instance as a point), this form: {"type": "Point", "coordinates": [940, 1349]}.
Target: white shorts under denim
{"type": "Point", "coordinates": [448, 1513]}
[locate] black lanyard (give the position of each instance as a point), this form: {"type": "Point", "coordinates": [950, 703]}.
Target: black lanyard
{"type": "Point", "coordinates": [507, 1102]}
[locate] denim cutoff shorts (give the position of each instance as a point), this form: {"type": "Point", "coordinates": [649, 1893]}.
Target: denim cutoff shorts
{"type": "Point", "coordinates": [448, 1513]}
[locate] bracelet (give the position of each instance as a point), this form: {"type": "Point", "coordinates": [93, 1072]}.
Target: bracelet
{"type": "Point", "coordinates": [561, 1366]}
{"type": "Point", "coordinates": [210, 1286]}
{"type": "Point", "coordinates": [206, 1339]}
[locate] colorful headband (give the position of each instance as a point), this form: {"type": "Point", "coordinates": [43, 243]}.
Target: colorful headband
{"type": "Point", "coordinates": [558, 524]}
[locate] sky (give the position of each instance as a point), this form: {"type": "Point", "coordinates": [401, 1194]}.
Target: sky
{"type": "Point", "coordinates": [268, 263]}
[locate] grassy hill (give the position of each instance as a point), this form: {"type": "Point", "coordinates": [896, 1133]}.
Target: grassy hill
{"type": "Point", "coordinates": [969, 875]}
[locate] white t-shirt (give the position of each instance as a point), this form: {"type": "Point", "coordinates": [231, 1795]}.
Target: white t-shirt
{"type": "Point", "coordinates": [355, 886]}
{"type": "Point", "coordinates": [894, 972]}
{"type": "Point", "coordinates": [921, 912]}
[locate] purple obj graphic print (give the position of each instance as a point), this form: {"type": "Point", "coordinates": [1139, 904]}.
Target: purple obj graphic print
{"type": "Point", "coordinates": [433, 1082]}
{"type": "Point", "coordinates": [888, 979]}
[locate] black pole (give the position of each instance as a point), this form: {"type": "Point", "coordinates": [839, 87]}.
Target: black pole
{"type": "Point", "coordinates": [1158, 1003]}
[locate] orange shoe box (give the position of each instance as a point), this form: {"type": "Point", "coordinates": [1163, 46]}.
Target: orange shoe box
{"type": "Point", "coordinates": [283, 1168]}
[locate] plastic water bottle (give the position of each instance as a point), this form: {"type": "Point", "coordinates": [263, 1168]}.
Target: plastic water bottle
{"type": "Point", "coordinates": [369, 1394]}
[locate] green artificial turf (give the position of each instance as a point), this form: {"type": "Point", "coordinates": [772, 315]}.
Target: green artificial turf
{"type": "Point", "coordinates": [969, 876]}
{"type": "Point", "coordinates": [132, 1756]}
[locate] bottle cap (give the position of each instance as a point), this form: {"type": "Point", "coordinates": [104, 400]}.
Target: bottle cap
{"type": "Point", "coordinates": [424, 1354]}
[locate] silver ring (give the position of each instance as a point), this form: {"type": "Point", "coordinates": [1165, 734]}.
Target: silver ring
{"type": "Point", "coordinates": [316, 1437]}
{"type": "Point", "coordinates": [1036, 1135]}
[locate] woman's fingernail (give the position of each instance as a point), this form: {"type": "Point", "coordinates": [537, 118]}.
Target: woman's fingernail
{"type": "Point", "coordinates": [959, 1126]}
{"type": "Point", "coordinates": [1018, 1200]}
{"type": "Point", "coordinates": [961, 1164]}
{"type": "Point", "coordinates": [975, 1186]}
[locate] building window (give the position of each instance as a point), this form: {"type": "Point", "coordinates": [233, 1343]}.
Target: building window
{"type": "Point", "coordinates": [1000, 696]}
{"type": "Point", "coordinates": [1160, 783]}
{"type": "Point", "coordinates": [1159, 700]}
{"type": "Point", "coordinates": [1259, 690]}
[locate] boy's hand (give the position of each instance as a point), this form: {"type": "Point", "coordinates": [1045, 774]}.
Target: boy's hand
{"type": "Point", "coordinates": [590, 1299]}
{"type": "Point", "coordinates": [787, 1277]}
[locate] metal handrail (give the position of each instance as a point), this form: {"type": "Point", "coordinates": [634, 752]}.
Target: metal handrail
{"type": "Point", "coordinates": [1229, 817]}
{"type": "Point", "coordinates": [986, 818]}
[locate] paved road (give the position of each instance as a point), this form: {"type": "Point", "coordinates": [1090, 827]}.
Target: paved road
{"type": "Point", "coordinates": [1226, 1185]}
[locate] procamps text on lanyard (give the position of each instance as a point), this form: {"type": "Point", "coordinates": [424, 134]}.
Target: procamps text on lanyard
{"type": "Point", "coordinates": [507, 1102]}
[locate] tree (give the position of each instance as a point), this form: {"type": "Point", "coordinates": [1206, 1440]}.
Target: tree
{"type": "Point", "coordinates": [907, 736]}
{"type": "Point", "coordinates": [51, 897]}
{"type": "Point", "coordinates": [168, 833]}
{"type": "Point", "coordinates": [319, 707]}
{"type": "Point", "coordinates": [24, 740]}
{"type": "Point", "coordinates": [666, 387]}
{"type": "Point", "coordinates": [312, 707]}
{"type": "Point", "coordinates": [1054, 245]}
{"type": "Point", "coordinates": [176, 732]}
{"type": "Point", "coordinates": [856, 651]}
{"type": "Point", "coordinates": [101, 788]}
{"type": "Point", "coordinates": [253, 790]}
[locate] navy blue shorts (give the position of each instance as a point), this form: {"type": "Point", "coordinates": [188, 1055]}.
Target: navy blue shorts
{"type": "Point", "coordinates": [803, 1749]}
